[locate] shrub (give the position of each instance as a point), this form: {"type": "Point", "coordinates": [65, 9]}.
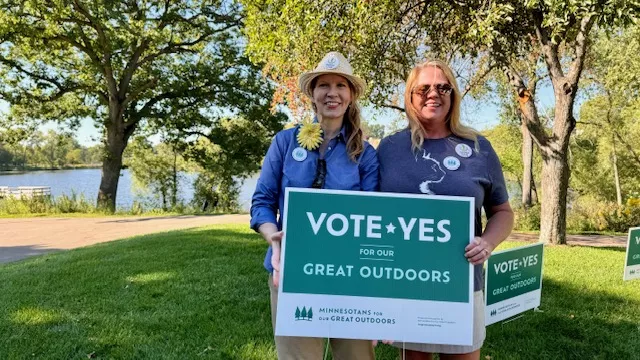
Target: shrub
{"type": "Point", "coordinates": [527, 219]}
{"type": "Point", "coordinates": [621, 218]}
{"type": "Point", "coordinates": [73, 204]}
{"type": "Point", "coordinates": [582, 215]}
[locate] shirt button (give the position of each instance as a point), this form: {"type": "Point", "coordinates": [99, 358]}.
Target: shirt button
{"type": "Point", "coordinates": [329, 147]}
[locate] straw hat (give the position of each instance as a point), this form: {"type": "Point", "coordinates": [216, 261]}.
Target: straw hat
{"type": "Point", "coordinates": [332, 63]}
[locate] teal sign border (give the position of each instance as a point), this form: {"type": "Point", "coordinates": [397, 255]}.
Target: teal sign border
{"type": "Point", "coordinates": [505, 280]}
{"type": "Point", "coordinates": [632, 249]}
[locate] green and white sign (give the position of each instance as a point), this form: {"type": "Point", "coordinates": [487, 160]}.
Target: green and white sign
{"type": "Point", "coordinates": [632, 265]}
{"type": "Point", "coordinates": [513, 282]}
{"type": "Point", "coordinates": [363, 265]}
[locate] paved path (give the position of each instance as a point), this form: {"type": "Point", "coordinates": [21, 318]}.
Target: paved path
{"type": "Point", "coordinates": [24, 237]}
{"type": "Point", "coordinates": [580, 240]}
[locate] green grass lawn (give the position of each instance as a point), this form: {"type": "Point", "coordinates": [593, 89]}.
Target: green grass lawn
{"type": "Point", "coordinates": [202, 294]}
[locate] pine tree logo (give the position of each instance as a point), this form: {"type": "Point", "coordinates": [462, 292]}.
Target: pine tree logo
{"type": "Point", "coordinates": [304, 314]}
{"type": "Point", "coordinates": [631, 272]}
{"type": "Point", "coordinates": [494, 312]}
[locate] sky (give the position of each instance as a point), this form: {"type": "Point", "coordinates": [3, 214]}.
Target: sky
{"type": "Point", "coordinates": [479, 115]}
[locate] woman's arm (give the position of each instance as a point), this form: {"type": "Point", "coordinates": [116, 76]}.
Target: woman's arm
{"type": "Point", "coordinates": [369, 169]}
{"type": "Point", "coordinates": [264, 203]}
{"type": "Point", "coordinates": [499, 226]}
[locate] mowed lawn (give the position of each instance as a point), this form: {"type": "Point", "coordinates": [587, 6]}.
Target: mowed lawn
{"type": "Point", "coordinates": [202, 294]}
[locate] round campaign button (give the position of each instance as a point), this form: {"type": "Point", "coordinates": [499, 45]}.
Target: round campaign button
{"type": "Point", "coordinates": [299, 154]}
{"type": "Point", "coordinates": [331, 62]}
{"type": "Point", "coordinates": [451, 163]}
{"type": "Point", "coordinates": [463, 150]}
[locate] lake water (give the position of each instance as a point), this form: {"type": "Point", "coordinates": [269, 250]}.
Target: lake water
{"type": "Point", "coordinates": [87, 182]}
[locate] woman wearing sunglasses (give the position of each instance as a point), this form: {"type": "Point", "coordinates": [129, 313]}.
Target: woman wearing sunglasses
{"type": "Point", "coordinates": [328, 153]}
{"type": "Point", "coordinates": [437, 155]}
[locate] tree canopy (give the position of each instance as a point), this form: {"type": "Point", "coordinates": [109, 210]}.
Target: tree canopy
{"type": "Point", "coordinates": [128, 64]}
{"type": "Point", "coordinates": [384, 39]}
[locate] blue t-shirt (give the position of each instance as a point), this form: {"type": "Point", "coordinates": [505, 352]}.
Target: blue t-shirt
{"type": "Point", "coordinates": [448, 166]}
{"type": "Point", "coordinates": [281, 170]}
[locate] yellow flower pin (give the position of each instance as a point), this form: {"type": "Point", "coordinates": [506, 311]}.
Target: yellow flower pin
{"type": "Point", "coordinates": [310, 135]}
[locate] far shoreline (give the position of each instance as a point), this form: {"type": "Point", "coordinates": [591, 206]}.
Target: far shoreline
{"type": "Point", "coordinates": [36, 169]}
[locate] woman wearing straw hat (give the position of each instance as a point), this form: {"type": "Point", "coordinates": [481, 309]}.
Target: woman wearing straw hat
{"type": "Point", "coordinates": [329, 153]}
{"type": "Point", "coordinates": [438, 155]}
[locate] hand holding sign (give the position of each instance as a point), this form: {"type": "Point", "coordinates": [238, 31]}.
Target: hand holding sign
{"type": "Point", "coordinates": [275, 239]}
{"type": "Point", "coordinates": [478, 251]}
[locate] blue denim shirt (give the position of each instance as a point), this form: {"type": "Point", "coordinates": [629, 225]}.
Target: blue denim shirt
{"type": "Point", "coordinates": [280, 170]}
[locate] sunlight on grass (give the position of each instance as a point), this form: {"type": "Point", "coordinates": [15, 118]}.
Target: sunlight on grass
{"type": "Point", "coordinates": [150, 277]}
{"type": "Point", "coordinates": [35, 316]}
{"type": "Point", "coordinates": [253, 351]}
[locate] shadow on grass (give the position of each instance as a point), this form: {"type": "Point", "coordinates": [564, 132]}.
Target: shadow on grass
{"type": "Point", "coordinates": [15, 253]}
{"type": "Point", "coordinates": [203, 294]}
{"type": "Point", "coordinates": [608, 248]}
{"type": "Point", "coordinates": [150, 218]}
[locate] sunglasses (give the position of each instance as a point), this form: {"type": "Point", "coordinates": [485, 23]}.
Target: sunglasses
{"type": "Point", "coordinates": [321, 174]}
{"type": "Point", "coordinates": [424, 90]}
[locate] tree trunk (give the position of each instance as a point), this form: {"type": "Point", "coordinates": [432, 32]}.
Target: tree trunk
{"type": "Point", "coordinates": [116, 141]}
{"type": "Point", "coordinates": [174, 183]}
{"type": "Point", "coordinates": [616, 177]}
{"type": "Point", "coordinates": [111, 165]}
{"type": "Point", "coordinates": [527, 162]}
{"type": "Point", "coordinates": [534, 191]}
{"type": "Point", "coordinates": [555, 179]}
{"type": "Point", "coordinates": [555, 171]}
{"type": "Point", "coordinates": [163, 193]}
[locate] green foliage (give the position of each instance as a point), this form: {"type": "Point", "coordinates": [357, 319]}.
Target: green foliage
{"type": "Point", "coordinates": [589, 214]}
{"type": "Point", "coordinates": [157, 170]}
{"type": "Point", "coordinates": [63, 204]}
{"type": "Point", "coordinates": [219, 194]}
{"type": "Point", "coordinates": [382, 39]}
{"type": "Point", "coordinates": [620, 218]}
{"type": "Point", "coordinates": [527, 219]}
{"type": "Point", "coordinates": [608, 129]}
{"type": "Point", "coordinates": [233, 150]}
{"type": "Point", "coordinates": [50, 150]}
{"type": "Point", "coordinates": [506, 140]}
{"type": "Point", "coordinates": [373, 130]}
{"type": "Point", "coordinates": [74, 204]}
{"type": "Point", "coordinates": [583, 214]}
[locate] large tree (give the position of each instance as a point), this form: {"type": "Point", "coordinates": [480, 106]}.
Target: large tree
{"type": "Point", "coordinates": [126, 64]}
{"type": "Point", "coordinates": [384, 36]}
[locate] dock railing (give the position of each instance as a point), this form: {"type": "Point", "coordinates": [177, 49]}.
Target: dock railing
{"type": "Point", "coordinates": [24, 191]}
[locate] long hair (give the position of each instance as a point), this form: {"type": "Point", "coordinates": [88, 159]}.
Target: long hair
{"type": "Point", "coordinates": [453, 117]}
{"type": "Point", "coordinates": [352, 121]}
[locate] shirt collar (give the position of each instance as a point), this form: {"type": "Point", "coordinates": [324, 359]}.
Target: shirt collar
{"type": "Point", "coordinates": [343, 133]}
{"type": "Point", "coordinates": [343, 130]}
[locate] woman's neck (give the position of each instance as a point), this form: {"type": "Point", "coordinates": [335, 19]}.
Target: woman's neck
{"type": "Point", "coordinates": [330, 127]}
{"type": "Point", "coordinates": [435, 132]}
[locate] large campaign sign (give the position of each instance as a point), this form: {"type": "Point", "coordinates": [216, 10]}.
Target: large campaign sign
{"type": "Point", "coordinates": [366, 265]}
{"type": "Point", "coordinates": [513, 282]}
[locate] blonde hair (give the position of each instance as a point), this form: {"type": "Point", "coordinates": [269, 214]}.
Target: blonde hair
{"type": "Point", "coordinates": [453, 117]}
{"type": "Point", "coordinates": [352, 121]}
